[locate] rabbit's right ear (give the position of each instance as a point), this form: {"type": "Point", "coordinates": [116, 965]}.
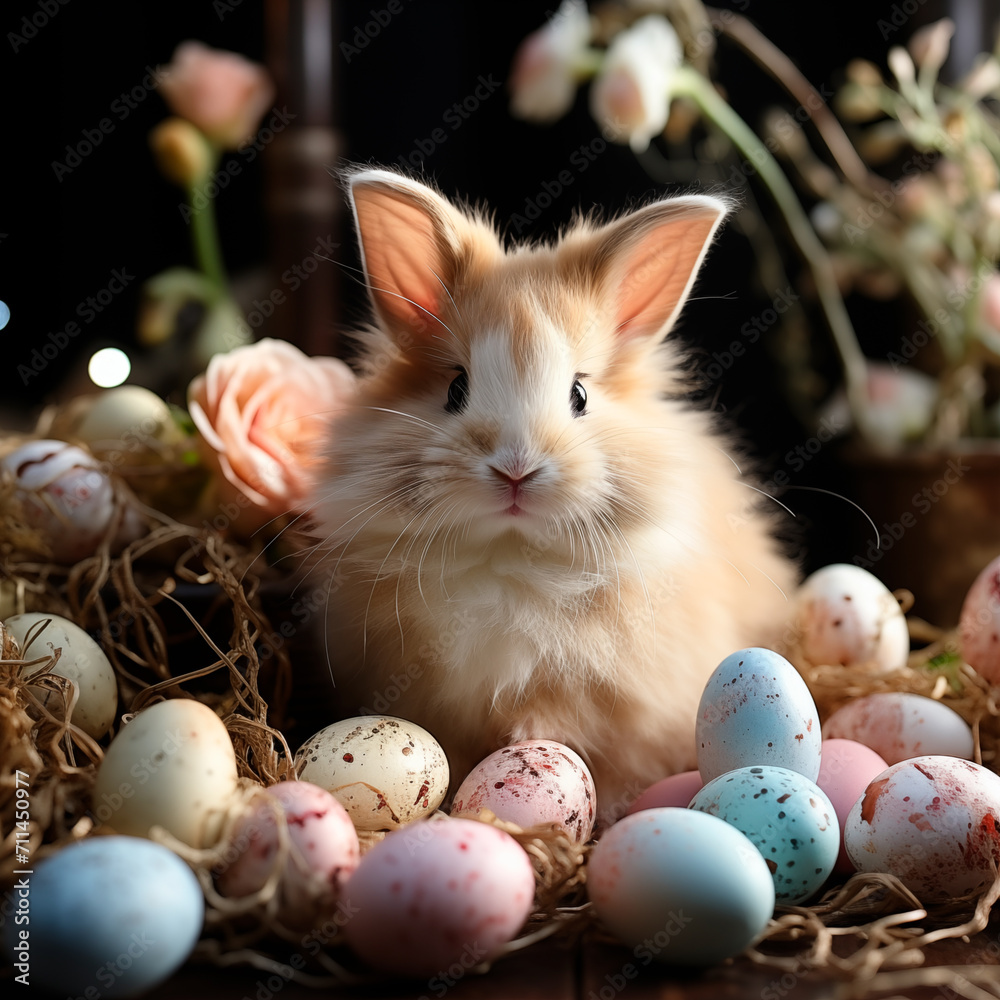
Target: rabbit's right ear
{"type": "Point", "coordinates": [410, 248]}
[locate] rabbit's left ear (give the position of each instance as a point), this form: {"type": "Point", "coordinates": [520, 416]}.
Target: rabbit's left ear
{"type": "Point", "coordinates": [650, 259]}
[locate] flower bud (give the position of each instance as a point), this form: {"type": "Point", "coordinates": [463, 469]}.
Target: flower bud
{"type": "Point", "coordinates": [181, 151]}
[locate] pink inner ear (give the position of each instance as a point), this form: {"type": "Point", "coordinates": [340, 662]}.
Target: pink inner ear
{"type": "Point", "coordinates": [658, 272]}
{"type": "Point", "coordinates": [403, 257]}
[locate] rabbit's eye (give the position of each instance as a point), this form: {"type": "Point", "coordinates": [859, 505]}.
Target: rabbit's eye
{"type": "Point", "coordinates": [578, 398]}
{"type": "Point", "coordinates": [458, 392]}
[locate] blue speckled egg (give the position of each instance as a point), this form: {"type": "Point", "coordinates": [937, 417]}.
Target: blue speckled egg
{"type": "Point", "coordinates": [679, 886]}
{"type": "Point", "coordinates": [786, 817]}
{"type": "Point", "coordinates": [109, 916]}
{"type": "Point", "coordinates": [757, 709]}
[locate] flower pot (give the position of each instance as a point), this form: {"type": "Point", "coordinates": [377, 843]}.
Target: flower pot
{"type": "Point", "coordinates": [937, 515]}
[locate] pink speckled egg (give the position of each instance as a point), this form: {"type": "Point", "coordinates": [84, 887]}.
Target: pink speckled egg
{"type": "Point", "coordinates": [979, 624]}
{"type": "Point", "coordinates": [65, 494]}
{"type": "Point", "coordinates": [845, 770]}
{"type": "Point", "coordinates": [438, 892]}
{"type": "Point", "coordinates": [535, 783]}
{"type": "Point", "coordinates": [675, 790]}
{"type": "Point", "coordinates": [324, 851]}
{"type": "Point", "coordinates": [901, 724]}
{"type": "Point", "coordinates": [933, 822]}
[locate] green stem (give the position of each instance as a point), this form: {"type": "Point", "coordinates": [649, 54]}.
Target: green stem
{"type": "Point", "coordinates": [205, 237]}
{"type": "Point", "coordinates": [692, 84]}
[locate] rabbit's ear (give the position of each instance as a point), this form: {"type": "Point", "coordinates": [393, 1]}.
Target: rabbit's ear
{"type": "Point", "coordinates": [649, 259]}
{"type": "Point", "coordinates": [410, 245]}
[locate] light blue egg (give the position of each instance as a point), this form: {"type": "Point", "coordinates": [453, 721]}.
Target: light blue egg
{"type": "Point", "coordinates": [679, 886]}
{"type": "Point", "coordinates": [787, 818]}
{"type": "Point", "coordinates": [757, 709]}
{"type": "Point", "coordinates": [109, 916]}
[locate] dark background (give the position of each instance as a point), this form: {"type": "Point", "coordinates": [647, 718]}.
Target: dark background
{"type": "Point", "coordinates": [62, 238]}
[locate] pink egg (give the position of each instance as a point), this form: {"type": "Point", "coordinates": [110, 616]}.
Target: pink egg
{"type": "Point", "coordinates": [535, 783]}
{"type": "Point", "coordinates": [324, 851]}
{"type": "Point", "coordinates": [845, 771]}
{"type": "Point", "coordinates": [979, 624]}
{"type": "Point", "coordinates": [438, 894]}
{"type": "Point", "coordinates": [675, 790]}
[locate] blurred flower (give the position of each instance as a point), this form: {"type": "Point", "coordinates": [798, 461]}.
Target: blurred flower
{"type": "Point", "coordinates": [543, 77]}
{"type": "Point", "coordinates": [929, 45]}
{"type": "Point", "coordinates": [263, 412]}
{"type": "Point", "coordinates": [181, 151]}
{"type": "Point", "coordinates": [631, 95]}
{"type": "Point", "coordinates": [902, 66]}
{"type": "Point", "coordinates": [222, 93]}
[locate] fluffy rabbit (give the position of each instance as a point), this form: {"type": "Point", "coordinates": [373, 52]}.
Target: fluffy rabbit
{"type": "Point", "coordinates": [523, 534]}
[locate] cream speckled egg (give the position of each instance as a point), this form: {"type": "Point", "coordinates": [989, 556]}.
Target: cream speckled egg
{"type": "Point", "coordinates": [81, 660]}
{"type": "Point", "coordinates": [385, 772]}
{"type": "Point", "coordinates": [67, 498]}
{"type": "Point", "coordinates": [901, 724]}
{"type": "Point", "coordinates": [845, 615]}
{"type": "Point", "coordinates": [127, 418]}
{"type": "Point", "coordinates": [534, 783]}
{"type": "Point", "coordinates": [173, 766]}
{"type": "Point", "coordinates": [933, 822]}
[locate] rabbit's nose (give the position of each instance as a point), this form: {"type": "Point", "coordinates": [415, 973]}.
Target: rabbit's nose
{"type": "Point", "coordinates": [513, 476]}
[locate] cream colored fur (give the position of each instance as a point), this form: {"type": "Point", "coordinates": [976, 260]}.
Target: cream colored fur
{"type": "Point", "coordinates": [639, 560]}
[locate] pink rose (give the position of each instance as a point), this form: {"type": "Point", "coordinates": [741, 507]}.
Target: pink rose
{"type": "Point", "coordinates": [263, 412]}
{"type": "Point", "coordinates": [222, 93]}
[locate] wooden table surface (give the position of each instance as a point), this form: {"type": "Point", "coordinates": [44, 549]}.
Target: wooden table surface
{"type": "Point", "coordinates": [594, 970]}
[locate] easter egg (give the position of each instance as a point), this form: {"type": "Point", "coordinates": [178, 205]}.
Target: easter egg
{"type": "Point", "coordinates": [81, 660]}
{"type": "Point", "coordinates": [439, 892]}
{"type": "Point", "coordinates": [844, 773]}
{"type": "Point", "coordinates": [846, 615]}
{"type": "Point", "coordinates": [173, 766]}
{"type": "Point", "coordinates": [679, 886]}
{"type": "Point", "coordinates": [901, 724]}
{"type": "Point", "coordinates": [674, 790]}
{"type": "Point", "coordinates": [109, 916]}
{"type": "Point", "coordinates": [323, 851]}
{"type": "Point", "coordinates": [933, 822]}
{"type": "Point", "coordinates": [385, 772]}
{"type": "Point", "coordinates": [66, 496]}
{"type": "Point", "coordinates": [979, 623]}
{"type": "Point", "coordinates": [786, 817]}
{"type": "Point", "coordinates": [533, 783]}
{"type": "Point", "coordinates": [756, 709]}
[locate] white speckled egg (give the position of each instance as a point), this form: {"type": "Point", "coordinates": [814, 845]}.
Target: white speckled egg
{"type": "Point", "coordinates": [757, 709]}
{"type": "Point", "coordinates": [323, 851]}
{"type": "Point", "coordinates": [81, 660]}
{"type": "Point", "coordinates": [933, 822]}
{"type": "Point", "coordinates": [979, 623]}
{"type": "Point", "coordinates": [67, 498]}
{"type": "Point", "coordinates": [845, 772]}
{"type": "Point", "coordinates": [534, 783]}
{"type": "Point", "coordinates": [674, 790]}
{"type": "Point", "coordinates": [173, 766]}
{"type": "Point", "coordinates": [845, 615]}
{"type": "Point", "coordinates": [386, 772]}
{"type": "Point", "coordinates": [786, 817]}
{"type": "Point", "coordinates": [109, 917]}
{"type": "Point", "coordinates": [900, 724]}
{"type": "Point", "coordinates": [679, 886]}
{"type": "Point", "coordinates": [440, 891]}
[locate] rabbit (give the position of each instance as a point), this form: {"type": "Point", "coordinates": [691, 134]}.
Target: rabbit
{"type": "Point", "coordinates": [523, 531]}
